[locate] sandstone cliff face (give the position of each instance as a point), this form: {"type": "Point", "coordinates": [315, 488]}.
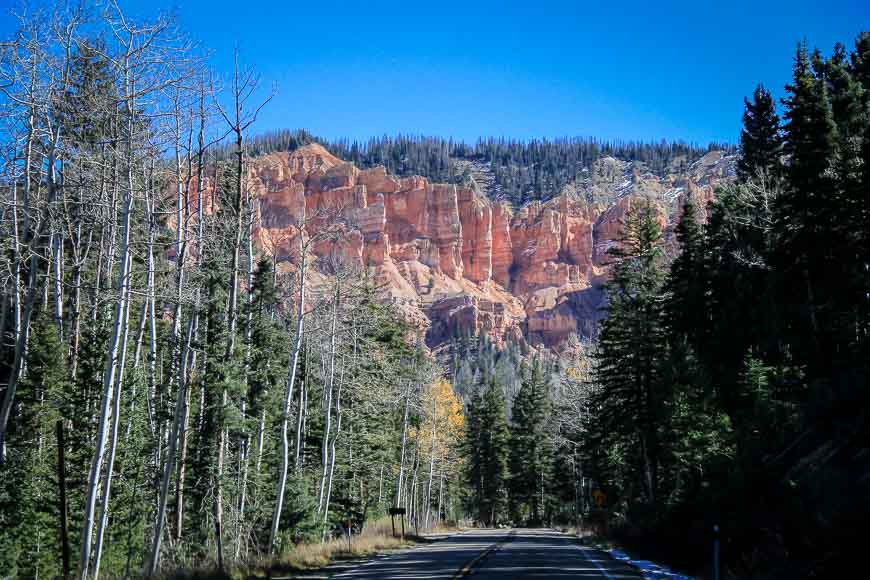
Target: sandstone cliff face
{"type": "Point", "coordinates": [455, 261]}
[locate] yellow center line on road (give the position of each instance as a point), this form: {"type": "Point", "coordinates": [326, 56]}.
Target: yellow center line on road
{"type": "Point", "coordinates": [466, 568]}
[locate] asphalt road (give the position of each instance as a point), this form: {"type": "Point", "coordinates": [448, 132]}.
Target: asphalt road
{"type": "Point", "coordinates": [496, 555]}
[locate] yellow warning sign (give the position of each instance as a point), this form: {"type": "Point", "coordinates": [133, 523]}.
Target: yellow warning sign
{"type": "Point", "coordinates": [599, 497]}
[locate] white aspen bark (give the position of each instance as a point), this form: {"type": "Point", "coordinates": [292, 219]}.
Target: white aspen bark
{"type": "Point", "coordinates": [21, 334]}
{"type": "Point", "coordinates": [113, 442]}
{"type": "Point", "coordinates": [291, 379]}
{"type": "Point", "coordinates": [338, 414]}
{"type": "Point", "coordinates": [109, 381]}
{"type": "Point", "coordinates": [440, 490]}
{"type": "Point", "coordinates": [183, 439]}
{"type": "Point", "coordinates": [169, 466]}
{"type": "Point", "coordinates": [55, 177]}
{"type": "Point", "coordinates": [245, 438]}
{"type": "Point", "coordinates": [76, 314]}
{"type": "Point", "coordinates": [118, 333]}
{"type": "Point", "coordinates": [237, 126]}
{"type": "Point", "coordinates": [57, 279]}
{"type": "Point", "coordinates": [140, 331]}
{"type": "Point", "coordinates": [431, 461]}
{"type": "Point", "coordinates": [401, 478]}
{"type": "Point", "coordinates": [261, 432]}
{"type": "Point", "coordinates": [113, 228]}
{"type": "Point", "coordinates": [156, 424]}
{"type": "Point", "coordinates": [218, 503]}
{"type": "Point", "coordinates": [18, 334]}
{"type": "Point", "coordinates": [300, 420]}
{"type": "Point", "coordinates": [328, 404]}
{"type": "Point", "coordinates": [333, 440]}
{"type": "Point", "coordinates": [180, 248]}
{"type": "Point", "coordinates": [81, 250]}
{"type": "Point", "coordinates": [412, 499]}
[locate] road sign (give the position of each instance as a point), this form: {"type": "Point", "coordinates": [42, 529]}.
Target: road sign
{"type": "Point", "coordinates": [599, 497]}
{"type": "Point", "coordinates": [397, 511]}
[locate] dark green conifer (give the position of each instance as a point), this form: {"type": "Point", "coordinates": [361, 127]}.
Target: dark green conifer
{"type": "Point", "coordinates": [29, 516]}
{"type": "Point", "coordinates": [487, 439]}
{"type": "Point", "coordinates": [760, 139]}
{"type": "Point", "coordinates": [686, 288]}
{"type": "Point", "coordinates": [531, 448]}
{"type": "Point", "coordinates": [632, 401]}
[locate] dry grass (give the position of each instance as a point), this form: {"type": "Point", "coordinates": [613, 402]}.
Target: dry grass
{"type": "Point", "coordinates": [376, 537]}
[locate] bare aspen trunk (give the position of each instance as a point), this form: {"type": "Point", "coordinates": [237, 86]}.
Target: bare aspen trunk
{"type": "Point", "coordinates": [169, 466]}
{"type": "Point", "coordinates": [338, 414]}
{"type": "Point", "coordinates": [183, 438]}
{"type": "Point", "coordinates": [440, 491]}
{"type": "Point", "coordinates": [412, 499]}
{"type": "Point", "coordinates": [333, 440]}
{"type": "Point", "coordinates": [182, 450]}
{"type": "Point", "coordinates": [118, 334]}
{"type": "Point", "coordinates": [21, 236]}
{"type": "Point", "coordinates": [113, 443]}
{"type": "Point", "coordinates": [291, 379]}
{"type": "Point", "coordinates": [328, 403]}
{"type": "Point", "coordinates": [381, 485]}
{"type": "Point", "coordinates": [109, 382]}
{"type": "Point", "coordinates": [261, 432]}
{"type": "Point", "coordinates": [400, 480]}
{"type": "Point", "coordinates": [245, 438]}
{"type": "Point", "coordinates": [76, 314]}
{"type": "Point", "coordinates": [18, 333]}
{"type": "Point", "coordinates": [81, 250]}
{"type": "Point", "coordinates": [57, 279]}
{"type": "Point", "coordinates": [431, 460]}
{"type": "Point", "coordinates": [300, 419]}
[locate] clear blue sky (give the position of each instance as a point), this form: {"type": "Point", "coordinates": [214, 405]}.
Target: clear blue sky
{"type": "Point", "coordinates": [631, 69]}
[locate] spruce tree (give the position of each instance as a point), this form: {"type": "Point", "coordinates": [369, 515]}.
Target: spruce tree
{"type": "Point", "coordinates": [29, 516]}
{"type": "Point", "coordinates": [632, 402]}
{"type": "Point", "coordinates": [686, 287]}
{"type": "Point", "coordinates": [760, 139]}
{"type": "Point", "coordinates": [806, 215]}
{"type": "Point", "coordinates": [487, 439]}
{"type": "Point", "coordinates": [531, 449]}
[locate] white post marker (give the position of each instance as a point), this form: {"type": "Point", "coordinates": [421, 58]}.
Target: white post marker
{"type": "Point", "coordinates": [716, 552]}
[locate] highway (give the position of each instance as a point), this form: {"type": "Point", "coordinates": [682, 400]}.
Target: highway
{"type": "Point", "coordinates": [496, 555]}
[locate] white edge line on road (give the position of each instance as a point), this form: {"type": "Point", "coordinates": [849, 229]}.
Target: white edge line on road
{"type": "Point", "coordinates": [585, 552]}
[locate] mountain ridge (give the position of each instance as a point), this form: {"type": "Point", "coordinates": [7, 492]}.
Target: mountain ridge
{"type": "Point", "coordinates": [455, 261]}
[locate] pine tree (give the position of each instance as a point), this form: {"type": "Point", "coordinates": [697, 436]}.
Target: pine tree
{"type": "Point", "coordinates": [487, 439]}
{"type": "Point", "coordinates": [215, 382]}
{"type": "Point", "coordinates": [805, 222]}
{"type": "Point", "coordinates": [531, 449]}
{"type": "Point", "coordinates": [686, 287]}
{"type": "Point", "coordinates": [29, 529]}
{"type": "Point", "coordinates": [760, 139]}
{"type": "Point", "coordinates": [631, 401]}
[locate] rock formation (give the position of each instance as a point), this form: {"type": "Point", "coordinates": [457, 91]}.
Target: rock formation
{"type": "Point", "coordinates": [455, 261]}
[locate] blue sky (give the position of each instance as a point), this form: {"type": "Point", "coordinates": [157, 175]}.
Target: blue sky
{"type": "Point", "coordinates": [538, 68]}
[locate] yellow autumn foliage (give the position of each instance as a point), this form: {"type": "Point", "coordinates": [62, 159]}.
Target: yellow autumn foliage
{"type": "Point", "coordinates": [441, 417]}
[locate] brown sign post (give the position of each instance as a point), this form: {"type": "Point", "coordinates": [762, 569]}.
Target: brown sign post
{"type": "Point", "coordinates": [397, 511]}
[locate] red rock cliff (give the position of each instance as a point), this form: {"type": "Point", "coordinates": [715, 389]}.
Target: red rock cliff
{"type": "Point", "coordinates": [455, 260]}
